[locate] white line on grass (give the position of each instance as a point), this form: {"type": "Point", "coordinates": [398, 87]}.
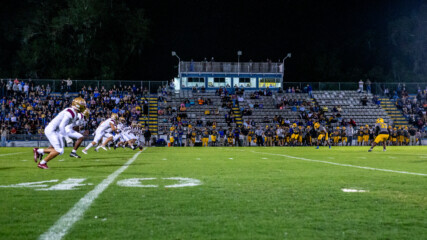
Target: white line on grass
{"type": "Point", "coordinates": [345, 165]}
{"type": "Point", "coordinates": [6, 154]}
{"type": "Point", "coordinates": [61, 227]}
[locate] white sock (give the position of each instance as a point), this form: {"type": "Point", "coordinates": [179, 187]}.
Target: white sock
{"type": "Point", "coordinates": [97, 148]}
{"type": "Point", "coordinates": [73, 151]}
{"type": "Point", "coordinates": [89, 146]}
{"type": "Point", "coordinates": [43, 162]}
{"type": "Point", "coordinates": [40, 151]}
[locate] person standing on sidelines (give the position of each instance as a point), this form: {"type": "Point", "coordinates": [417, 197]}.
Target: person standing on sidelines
{"type": "Point", "coordinates": [55, 132]}
{"type": "Point", "coordinates": [349, 132]}
{"type": "Point", "coordinates": [381, 129]}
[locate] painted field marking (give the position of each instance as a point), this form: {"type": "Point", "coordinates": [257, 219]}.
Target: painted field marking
{"type": "Point", "coordinates": [24, 160]}
{"type": "Point", "coordinates": [7, 154]}
{"type": "Point", "coordinates": [353, 190]}
{"type": "Point", "coordinates": [264, 158]}
{"type": "Point", "coordinates": [197, 158]}
{"type": "Point", "coordinates": [61, 227]}
{"type": "Point", "coordinates": [182, 182]}
{"type": "Point", "coordinates": [344, 165]}
{"type": "Point", "coordinates": [231, 158]}
{"type": "Point", "coordinates": [40, 184]}
{"type": "Point", "coordinates": [392, 157]}
{"type": "Point", "coordinates": [164, 159]}
{"type": "Point", "coordinates": [61, 160]}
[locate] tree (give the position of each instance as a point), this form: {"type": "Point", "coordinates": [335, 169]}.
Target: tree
{"type": "Point", "coordinates": [86, 39]}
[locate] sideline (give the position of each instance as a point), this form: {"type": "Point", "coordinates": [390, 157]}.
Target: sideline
{"type": "Point", "coordinates": [61, 227]}
{"type": "Point", "coordinates": [344, 165]}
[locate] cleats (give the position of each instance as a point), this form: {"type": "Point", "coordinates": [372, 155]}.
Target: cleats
{"type": "Point", "coordinates": [42, 166]}
{"type": "Point", "coordinates": [104, 148]}
{"type": "Point", "coordinates": [317, 147]}
{"type": "Point", "coordinates": [370, 150]}
{"type": "Point", "coordinates": [96, 150]}
{"type": "Point", "coordinates": [74, 155]}
{"type": "Point", "coordinates": [36, 154]}
{"type": "Point", "coordinates": [329, 146]}
{"type": "Point", "coordinates": [84, 151]}
{"type": "Point", "coordinates": [384, 150]}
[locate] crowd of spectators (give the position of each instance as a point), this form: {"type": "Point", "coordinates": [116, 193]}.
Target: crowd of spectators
{"type": "Point", "coordinates": [27, 107]}
{"type": "Point", "coordinates": [413, 107]}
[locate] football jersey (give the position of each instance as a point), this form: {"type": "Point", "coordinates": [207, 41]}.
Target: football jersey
{"type": "Point", "coordinates": [105, 125]}
{"type": "Point", "coordinates": [382, 128]}
{"type": "Point", "coordinates": [64, 118]}
{"type": "Point", "coordinates": [76, 122]}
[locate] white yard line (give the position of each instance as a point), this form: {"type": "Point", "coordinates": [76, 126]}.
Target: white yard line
{"type": "Point", "coordinates": [6, 154]}
{"type": "Point", "coordinates": [344, 165]}
{"type": "Point", "coordinates": [61, 227]}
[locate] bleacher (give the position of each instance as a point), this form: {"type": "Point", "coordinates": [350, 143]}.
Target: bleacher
{"type": "Point", "coordinates": [270, 109]}
{"type": "Point", "coordinates": [352, 108]}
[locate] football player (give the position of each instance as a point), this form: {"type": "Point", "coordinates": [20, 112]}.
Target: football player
{"type": "Point", "coordinates": [381, 129]}
{"type": "Point", "coordinates": [103, 129]}
{"type": "Point", "coordinates": [322, 134]}
{"type": "Point", "coordinates": [55, 132]}
{"type": "Point", "coordinates": [72, 131]}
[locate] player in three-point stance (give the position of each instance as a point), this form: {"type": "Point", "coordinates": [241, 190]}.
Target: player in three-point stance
{"type": "Point", "coordinates": [381, 129]}
{"type": "Point", "coordinates": [72, 131]}
{"type": "Point", "coordinates": [104, 130]}
{"type": "Point", "coordinates": [55, 132]}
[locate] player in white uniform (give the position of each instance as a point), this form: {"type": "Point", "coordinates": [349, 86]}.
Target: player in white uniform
{"type": "Point", "coordinates": [119, 135]}
{"type": "Point", "coordinates": [128, 136]}
{"type": "Point", "coordinates": [104, 129]}
{"type": "Point", "coordinates": [72, 132]}
{"type": "Point", "coordinates": [55, 132]}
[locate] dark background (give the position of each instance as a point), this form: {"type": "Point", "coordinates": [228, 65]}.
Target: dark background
{"type": "Point", "coordinates": [329, 40]}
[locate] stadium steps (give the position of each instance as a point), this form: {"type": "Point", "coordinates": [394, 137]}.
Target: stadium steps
{"type": "Point", "coordinates": [398, 119]}
{"type": "Point", "coordinates": [153, 123]}
{"type": "Point", "coordinates": [238, 115]}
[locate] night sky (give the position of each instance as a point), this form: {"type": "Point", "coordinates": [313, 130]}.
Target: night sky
{"type": "Point", "coordinates": [351, 36]}
{"type": "Point", "coordinates": [261, 29]}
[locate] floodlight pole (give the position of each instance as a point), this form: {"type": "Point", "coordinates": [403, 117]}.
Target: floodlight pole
{"type": "Point", "coordinates": [239, 53]}
{"type": "Point", "coordinates": [289, 55]}
{"type": "Point", "coordinates": [179, 64]}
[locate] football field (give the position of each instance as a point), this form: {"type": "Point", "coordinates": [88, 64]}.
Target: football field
{"type": "Point", "coordinates": [216, 193]}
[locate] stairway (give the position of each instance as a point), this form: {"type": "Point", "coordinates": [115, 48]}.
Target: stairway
{"type": "Point", "coordinates": [238, 115]}
{"type": "Point", "coordinates": [153, 123]}
{"type": "Point", "coordinates": [393, 112]}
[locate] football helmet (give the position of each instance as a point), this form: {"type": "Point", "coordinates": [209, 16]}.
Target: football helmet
{"type": "Point", "coordinates": [86, 113]}
{"type": "Point", "coordinates": [122, 119]}
{"type": "Point", "coordinates": [114, 116]}
{"type": "Point", "coordinates": [79, 104]}
{"type": "Point", "coordinates": [316, 125]}
{"type": "Point", "coordinates": [380, 120]}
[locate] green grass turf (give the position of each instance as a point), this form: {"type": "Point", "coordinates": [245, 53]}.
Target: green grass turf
{"type": "Point", "coordinates": [254, 195]}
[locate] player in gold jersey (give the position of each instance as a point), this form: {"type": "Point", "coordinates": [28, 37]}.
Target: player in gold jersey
{"type": "Point", "coordinates": [382, 134]}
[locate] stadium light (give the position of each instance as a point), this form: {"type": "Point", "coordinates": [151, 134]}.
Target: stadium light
{"type": "Point", "coordinates": [289, 55]}
{"type": "Point", "coordinates": [179, 63]}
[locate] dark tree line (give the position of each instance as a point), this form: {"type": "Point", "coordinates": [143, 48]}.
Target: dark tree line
{"type": "Point", "coordinates": [80, 39]}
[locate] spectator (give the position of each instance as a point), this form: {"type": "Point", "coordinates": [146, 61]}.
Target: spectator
{"type": "Point", "coordinates": [360, 90]}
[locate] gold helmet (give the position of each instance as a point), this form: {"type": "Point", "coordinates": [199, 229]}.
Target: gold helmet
{"type": "Point", "coordinates": [86, 113]}
{"type": "Point", "coordinates": [134, 124]}
{"type": "Point", "coordinates": [380, 120]}
{"type": "Point", "coordinates": [338, 128]}
{"type": "Point", "coordinates": [79, 104]}
{"type": "Point", "coordinates": [294, 125]}
{"type": "Point", "coordinates": [389, 127]}
{"type": "Point", "coordinates": [114, 116]}
{"type": "Point", "coordinates": [140, 125]}
{"type": "Point", "coordinates": [366, 126]}
{"type": "Point", "coordinates": [122, 119]}
{"type": "Point", "coordinates": [316, 125]}
{"type": "Point", "coordinates": [343, 128]}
